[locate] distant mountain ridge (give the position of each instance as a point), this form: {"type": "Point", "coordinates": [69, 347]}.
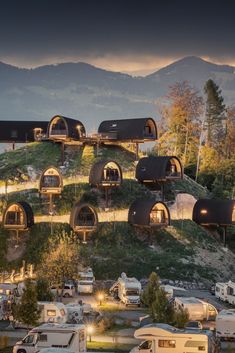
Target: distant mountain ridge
{"type": "Point", "coordinates": [91, 94]}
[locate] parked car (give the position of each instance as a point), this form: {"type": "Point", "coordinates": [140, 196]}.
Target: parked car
{"type": "Point", "coordinates": [193, 325]}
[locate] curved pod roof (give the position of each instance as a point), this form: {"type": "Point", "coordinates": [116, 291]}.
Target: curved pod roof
{"type": "Point", "coordinates": [149, 213]}
{"type": "Point", "coordinates": [214, 212]}
{"type": "Point", "coordinates": [51, 181]}
{"type": "Point", "coordinates": [135, 130]}
{"type": "Point", "coordinates": [18, 216]}
{"type": "Point", "coordinates": [153, 169]}
{"type": "Point", "coordinates": [105, 174]}
{"type": "Point", "coordinates": [67, 129]}
{"type": "Point", "coordinates": [83, 217]}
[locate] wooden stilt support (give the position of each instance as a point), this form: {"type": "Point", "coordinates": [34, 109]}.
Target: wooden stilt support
{"type": "Point", "coordinates": [62, 153]}
{"type": "Point", "coordinates": [224, 236]}
{"type": "Point", "coordinates": [84, 237]}
{"type": "Point", "coordinates": [163, 192]}
{"type": "Point", "coordinates": [50, 204]}
{"type": "Point", "coordinates": [106, 192]}
{"type": "Point", "coordinates": [136, 151]}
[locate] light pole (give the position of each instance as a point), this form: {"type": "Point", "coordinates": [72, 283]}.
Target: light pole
{"type": "Point", "coordinates": [90, 330]}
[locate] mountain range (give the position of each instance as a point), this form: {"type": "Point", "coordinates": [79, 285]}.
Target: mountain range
{"type": "Point", "coordinates": [91, 94]}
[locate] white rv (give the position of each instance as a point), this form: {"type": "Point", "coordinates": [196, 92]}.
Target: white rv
{"type": "Point", "coordinates": [221, 291]}
{"type": "Point", "coordinates": [53, 312]}
{"type": "Point", "coordinates": [197, 309]}
{"type": "Point", "coordinates": [128, 290]}
{"type": "Point", "coordinates": [225, 292]}
{"type": "Point", "coordinates": [85, 281]}
{"type": "Point", "coordinates": [231, 292]}
{"type": "Point", "coordinates": [163, 338]}
{"type": "Point", "coordinates": [70, 337]}
{"type": "Point", "coordinates": [225, 324]}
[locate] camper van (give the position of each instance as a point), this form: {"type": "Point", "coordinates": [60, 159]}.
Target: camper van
{"type": "Point", "coordinates": [68, 290]}
{"type": "Point", "coordinates": [225, 324]}
{"type": "Point", "coordinates": [127, 289]}
{"type": "Point", "coordinates": [68, 336]}
{"type": "Point", "coordinates": [231, 292]}
{"type": "Point", "coordinates": [85, 281]}
{"type": "Point", "coordinates": [197, 309]}
{"type": "Point", "coordinates": [53, 312]}
{"type": "Point", "coordinates": [225, 292]}
{"type": "Point", "coordinates": [221, 291]}
{"type": "Point", "coordinates": [163, 338]}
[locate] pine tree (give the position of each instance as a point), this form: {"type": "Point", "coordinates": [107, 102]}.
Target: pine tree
{"type": "Point", "coordinates": [27, 310]}
{"type": "Point", "coordinates": [162, 308]}
{"type": "Point", "coordinates": [43, 290]}
{"type": "Point", "coordinates": [149, 293]}
{"type": "Point", "coordinates": [215, 116]}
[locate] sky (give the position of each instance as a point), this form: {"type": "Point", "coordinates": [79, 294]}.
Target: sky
{"type": "Point", "coordinates": [137, 37]}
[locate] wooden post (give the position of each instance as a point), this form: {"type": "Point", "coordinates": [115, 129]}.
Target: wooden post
{"type": "Point", "coordinates": [163, 192]}
{"type": "Point", "coordinates": [84, 237]}
{"type": "Point", "coordinates": [62, 153]}
{"type": "Point", "coordinates": [224, 236]}
{"type": "Point", "coordinates": [106, 192]}
{"type": "Point", "coordinates": [136, 151]}
{"type": "Point", "coordinates": [50, 204]}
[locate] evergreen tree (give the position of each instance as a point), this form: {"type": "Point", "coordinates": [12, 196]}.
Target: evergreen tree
{"type": "Point", "coordinates": [162, 308]}
{"type": "Point", "coordinates": [149, 293]}
{"type": "Point", "coordinates": [43, 290]}
{"type": "Point", "coordinates": [27, 310]}
{"type": "Point", "coordinates": [215, 116]}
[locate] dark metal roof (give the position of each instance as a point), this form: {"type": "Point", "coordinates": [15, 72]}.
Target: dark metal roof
{"type": "Point", "coordinates": [96, 172]}
{"type": "Point", "coordinates": [73, 133]}
{"type": "Point", "coordinates": [139, 211]}
{"type": "Point", "coordinates": [214, 211]}
{"type": "Point", "coordinates": [20, 131]}
{"type": "Point", "coordinates": [75, 212]}
{"type": "Point", "coordinates": [27, 210]}
{"type": "Point", "coordinates": [154, 168]}
{"type": "Point", "coordinates": [128, 129]}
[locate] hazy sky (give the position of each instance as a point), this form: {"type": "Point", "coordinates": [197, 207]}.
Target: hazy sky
{"type": "Point", "coordinates": [129, 36]}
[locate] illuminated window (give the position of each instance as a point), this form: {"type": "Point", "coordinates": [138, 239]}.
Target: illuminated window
{"type": "Point", "coordinates": [166, 344]}
{"type": "Point", "coordinates": [233, 214]}
{"type": "Point", "coordinates": [51, 312]}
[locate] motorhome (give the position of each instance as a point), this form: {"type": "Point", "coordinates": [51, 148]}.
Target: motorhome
{"type": "Point", "coordinates": [53, 312]}
{"type": "Point", "coordinates": [76, 312]}
{"type": "Point", "coordinates": [172, 291]}
{"type": "Point", "coordinates": [225, 324]}
{"type": "Point", "coordinates": [5, 307]}
{"type": "Point", "coordinates": [163, 338]}
{"type": "Point", "coordinates": [69, 336]}
{"type": "Point", "coordinates": [85, 283]}
{"type": "Point", "coordinates": [197, 309]}
{"type": "Point", "coordinates": [221, 291]}
{"type": "Point", "coordinates": [127, 289]}
{"type": "Point", "coordinates": [67, 291]}
{"type": "Point", "coordinates": [231, 292]}
{"type": "Point", "coordinates": [225, 292]}
{"type": "Point", "coordinates": [8, 289]}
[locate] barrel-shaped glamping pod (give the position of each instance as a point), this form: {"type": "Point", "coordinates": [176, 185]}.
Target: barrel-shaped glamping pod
{"type": "Point", "coordinates": [151, 170]}
{"type": "Point", "coordinates": [18, 216]}
{"type": "Point", "coordinates": [51, 181]}
{"type": "Point", "coordinates": [214, 212]}
{"type": "Point", "coordinates": [65, 129]}
{"type": "Point", "coordinates": [132, 130]}
{"type": "Point", "coordinates": [83, 218]}
{"type": "Point", "coordinates": [105, 174]}
{"type": "Point", "coordinates": [149, 213]}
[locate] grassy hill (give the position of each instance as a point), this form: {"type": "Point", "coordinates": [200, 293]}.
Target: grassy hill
{"type": "Point", "coordinates": [182, 251]}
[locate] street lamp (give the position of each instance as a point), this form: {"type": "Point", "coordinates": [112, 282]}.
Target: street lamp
{"type": "Point", "coordinates": [89, 330]}
{"type": "Point", "coordinates": [100, 297]}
